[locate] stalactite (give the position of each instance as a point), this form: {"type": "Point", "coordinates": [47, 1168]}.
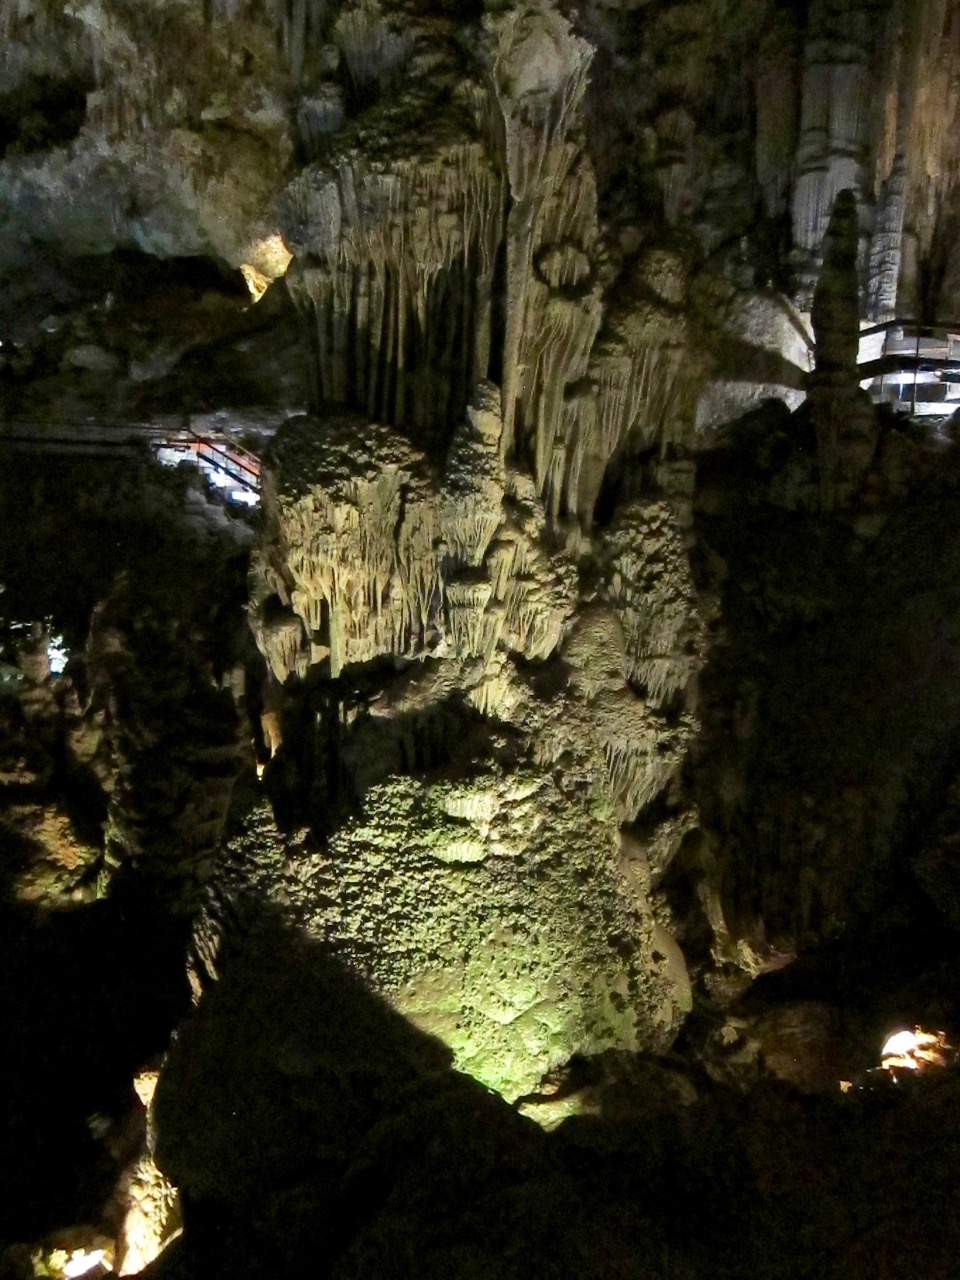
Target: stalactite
{"type": "Point", "coordinates": [319, 115]}
{"type": "Point", "coordinates": [225, 10]}
{"type": "Point", "coordinates": [500, 562]}
{"type": "Point", "coordinates": [648, 376]}
{"type": "Point", "coordinates": [537, 602]}
{"type": "Point", "coordinates": [777, 101]}
{"type": "Point", "coordinates": [402, 235]}
{"type": "Point", "coordinates": [583, 466]}
{"type": "Point", "coordinates": [648, 581]}
{"type": "Point", "coordinates": [837, 132]}
{"type": "Point", "coordinates": [474, 630]}
{"type": "Point", "coordinates": [407, 238]}
{"type": "Point", "coordinates": [403, 248]}
{"type": "Point", "coordinates": [473, 486]}
{"type": "Point", "coordinates": [887, 246]}
{"type": "Point", "coordinates": [638, 766]}
{"type": "Point", "coordinates": [540, 71]}
{"type": "Point", "coordinates": [374, 51]}
{"type": "Point", "coordinates": [677, 162]}
{"type": "Point", "coordinates": [301, 25]}
{"type": "Point", "coordinates": [563, 330]}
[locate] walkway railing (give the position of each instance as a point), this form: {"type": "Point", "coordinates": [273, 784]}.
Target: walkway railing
{"type": "Point", "coordinates": [221, 454]}
{"type": "Point", "coordinates": [215, 453]}
{"type": "Point", "coordinates": [913, 367]}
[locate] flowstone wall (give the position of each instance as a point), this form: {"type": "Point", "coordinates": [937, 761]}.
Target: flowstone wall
{"type": "Point", "coordinates": [488, 897]}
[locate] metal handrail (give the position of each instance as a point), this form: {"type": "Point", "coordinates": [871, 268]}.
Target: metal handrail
{"type": "Point", "coordinates": [232, 459]}
{"type": "Point", "coordinates": [228, 459]}
{"type": "Point", "coordinates": [900, 322]}
{"type": "Point", "coordinates": [942, 358]}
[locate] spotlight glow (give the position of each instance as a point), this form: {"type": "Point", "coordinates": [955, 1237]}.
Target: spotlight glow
{"type": "Point", "coordinates": [80, 1262]}
{"type": "Point", "coordinates": [58, 654]}
{"type": "Point", "coordinates": [914, 1050]}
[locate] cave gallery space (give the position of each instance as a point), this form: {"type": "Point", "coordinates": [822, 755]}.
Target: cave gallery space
{"type": "Point", "coordinates": [480, 639]}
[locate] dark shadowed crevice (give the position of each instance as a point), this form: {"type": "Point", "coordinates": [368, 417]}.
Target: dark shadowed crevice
{"type": "Point", "coordinates": [41, 115]}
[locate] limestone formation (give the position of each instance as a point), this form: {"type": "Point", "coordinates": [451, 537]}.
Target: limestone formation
{"type": "Point", "coordinates": [375, 555]}
{"type": "Point", "coordinates": [540, 75]}
{"type": "Point", "coordinates": [173, 147]}
{"type": "Point", "coordinates": [842, 415]}
{"type": "Point", "coordinates": [835, 125]}
{"type": "Point", "coordinates": [560, 688]}
{"type": "Point", "coordinates": [887, 248]}
{"type": "Point", "coordinates": [400, 228]}
{"type": "Point", "coordinates": [152, 1216]}
{"type": "Point", "coordinates": [372, 556]}
{"type": "Point", "coordinates": [169, 792]}
{"type": "Point", "coordinates": [475, 907]}
{"type": "Point", "coordinates": [647, 579]}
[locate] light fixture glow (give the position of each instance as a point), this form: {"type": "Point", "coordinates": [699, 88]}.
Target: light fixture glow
{"type": "Point", "coordinates": [257, 283]}
{"type": "Point", "coordinates": [57, 654]}
{"type": "Point", "coordinates": [914, 1050]}
{"type": "Point", "coordinates": [80, 1262]}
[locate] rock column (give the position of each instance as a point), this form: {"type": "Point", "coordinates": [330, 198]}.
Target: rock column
{"type": "Point", "coordinates": [842, 413]}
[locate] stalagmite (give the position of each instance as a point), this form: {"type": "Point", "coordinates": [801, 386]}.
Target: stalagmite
{"type": "Point", "coordinates": [843, 416]}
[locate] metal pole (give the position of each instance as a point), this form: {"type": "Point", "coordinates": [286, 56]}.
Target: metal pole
{"type": "Point", "coordinates": [916, 370]}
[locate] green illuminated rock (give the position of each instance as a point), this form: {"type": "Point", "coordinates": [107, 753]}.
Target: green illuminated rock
{"type": "Point", "coordinates": [492, 912]}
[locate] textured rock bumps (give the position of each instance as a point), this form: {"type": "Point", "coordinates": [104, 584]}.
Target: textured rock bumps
{"type": "Point", "coordinates": [490, 911]}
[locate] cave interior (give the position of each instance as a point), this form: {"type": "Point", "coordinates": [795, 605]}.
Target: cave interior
{"type": "Point", "coordinates": [480, 639]}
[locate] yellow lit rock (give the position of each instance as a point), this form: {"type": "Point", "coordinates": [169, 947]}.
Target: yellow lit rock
{"type": "Point", "coordinates": [267, 261]}
{"type": "Point", "coordinates": [914, 1050]}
